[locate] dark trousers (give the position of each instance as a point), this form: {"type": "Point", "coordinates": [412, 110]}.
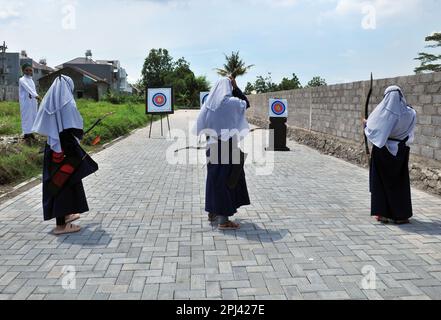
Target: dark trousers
{"type": "Point", "coordinates": [61, 221]}
{"type": "Point", "coordinates": [390, 183]}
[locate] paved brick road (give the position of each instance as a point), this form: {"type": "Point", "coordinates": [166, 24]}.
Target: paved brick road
{"type": "Point", "coordinates": [308, 235]}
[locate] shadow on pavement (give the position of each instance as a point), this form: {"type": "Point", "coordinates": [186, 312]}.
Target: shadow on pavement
{"type": "Point", "coordinates": [422, 227]}
{"type": "Point", "coordinates": [90, 235]}
{"type": "Point", "coordinates": [253, 232]}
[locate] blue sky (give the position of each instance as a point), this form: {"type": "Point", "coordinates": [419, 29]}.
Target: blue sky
{"type": "Point", "coordinates": [340, 40]}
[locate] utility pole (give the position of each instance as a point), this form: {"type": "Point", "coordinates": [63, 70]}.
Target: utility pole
{"type": "Point", "coordinates": [3, 63]}
{"type": "Point", "coordinates": [3, 70]}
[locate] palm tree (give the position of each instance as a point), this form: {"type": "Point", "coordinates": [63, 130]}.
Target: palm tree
{"type": "Point", "coordinates": [234, 66]}
{"type": "Point", "coordinates": [430, 62]}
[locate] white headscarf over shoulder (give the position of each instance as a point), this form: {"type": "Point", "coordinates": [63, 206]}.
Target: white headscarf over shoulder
{"type": "Point", "coordinates": [222, 114]}
{"type": "Point", "coordinates": [392, 118]}
{"type": "Point", "coordinates": [58, 112]}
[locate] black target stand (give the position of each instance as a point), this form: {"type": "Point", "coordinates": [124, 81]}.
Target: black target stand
{"type": "Point", "coordinates": [278, 133]}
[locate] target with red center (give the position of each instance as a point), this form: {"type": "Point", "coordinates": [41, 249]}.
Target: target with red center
{"type": "Point", "coordinates": [159, 100]}
{"type": "Point", "coordinates": [278, 108]}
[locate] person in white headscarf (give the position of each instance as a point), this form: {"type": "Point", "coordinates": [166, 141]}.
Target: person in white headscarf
{"type": "Point", "coordinates": [28, 98]}
{"type": "Point", "coordinates": [223, 120]}
{"type": "Point", "coordinates": [223, 114]}
{"type": "Point", "coordinates": [390, 128]}
{"type": "Point", "coordinates": [65, 162]}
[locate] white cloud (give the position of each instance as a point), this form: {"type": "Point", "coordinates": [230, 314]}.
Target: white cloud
{"type": "Point", "coordinates": [283, 3]}
{"type": "Point", "coordinates": [9, 11]}
{"type": "Point", "coordinates": [370, 12]}
{"type": "Point", "coordinates": [349, 53]}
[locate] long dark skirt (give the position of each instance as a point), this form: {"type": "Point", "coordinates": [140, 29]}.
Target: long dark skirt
{"type": "Point", "coordinates": [72, 198]}
{"type": "Point", "coordinates": [220, 199]}
{"type": "Point", "coordinates": [390, 184]}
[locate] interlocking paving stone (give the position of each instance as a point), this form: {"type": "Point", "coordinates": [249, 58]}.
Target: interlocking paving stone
{"type": "Point", "coordinates": [307, 234]}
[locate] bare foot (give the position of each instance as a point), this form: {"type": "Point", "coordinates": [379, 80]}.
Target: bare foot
{"type": "Point", "coordinates": [382, 219]}
{"type": "Point", "coordinates": [229, 225]}
{"type": "Point", "coordinates": [67, 228]}
{"type": "Point", "coordinates": [72, 217]}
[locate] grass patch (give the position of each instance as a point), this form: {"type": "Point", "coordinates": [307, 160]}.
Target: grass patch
{"type": "Point", "coordinates": [9, 118]}
{"type": "Point", "coordinates": [19, 162]}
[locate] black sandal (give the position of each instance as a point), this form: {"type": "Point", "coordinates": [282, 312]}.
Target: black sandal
{"type": "Point", "coordinates": [212, 217]}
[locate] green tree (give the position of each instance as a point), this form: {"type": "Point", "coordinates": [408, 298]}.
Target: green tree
{"type": "Point", "coordinates": [316, 82]}
{"type": "Point", "coordinates": [266, 84]}
{"type": "Point", "coordinates": [161, 70]}
{"type": "Point", "coordinates": [249, 88]}
{"type": "Point", "coordinates": [234, 66]}
{"type": "Point", "coordinates": [200, 84]}
{"type": "Point", "coordinates": [430, 62]}
{"type": "Point", "coordinates": [157, 67]}
{"type": "Point", "coordinates": [186, 85]}
{"type": "Point", "coordinates": [290, 84]}
{"type": "Point", "coordinates": [139, 87]}
{"type": "Point", "coordinates": [180, 78]}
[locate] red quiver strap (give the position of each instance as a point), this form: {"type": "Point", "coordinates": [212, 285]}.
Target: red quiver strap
{"type": "Point", "coordinates": [57, 157]}
{"type": "Point", "coordinates": [62, 173]}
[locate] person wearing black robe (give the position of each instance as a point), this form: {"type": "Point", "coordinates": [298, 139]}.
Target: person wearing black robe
{"type": "Point", "coordinates": [65, 162]}
{"type": "Point", "coordinates": [390, 128]}
{"type": "Point", "coordinates": [223, 115]}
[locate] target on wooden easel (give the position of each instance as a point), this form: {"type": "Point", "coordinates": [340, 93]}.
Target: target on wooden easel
{"type": "Point", "coordinates": [159, 101]}
{"type": "Point", "coordinates": [278, 108]}
{"type": "Point", "coordinates": [204, 97]}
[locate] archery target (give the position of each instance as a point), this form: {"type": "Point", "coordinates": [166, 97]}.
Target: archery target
{"type": "Point", "coordinates": [159, 100]}
{"type": "Point", "coordinates": [278, 108]}
{"type": "Point", "coordinates": [204, 97]}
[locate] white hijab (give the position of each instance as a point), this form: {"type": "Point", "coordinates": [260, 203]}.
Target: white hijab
{"type": "Point", "coordinates": [58, 112]}
{"type": "Point", "coordinates": [392, 118]}
{"type": "Point", "coordinates": [222, 115]}
{"type": "Point", "coordinates": [221, 91]}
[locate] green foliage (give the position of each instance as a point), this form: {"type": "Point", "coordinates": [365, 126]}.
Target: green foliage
{"type": "Point", "coordinates": [234, 66]}
{"type": "Point", "coordinates": [266, 84]}
{"type": "Point", "coordinates": [160, 70]}
{"type": "Point", "coordinates": [9, 118]}
{"type": "Point", "coordinates": [115, 97]}
{"type": "Point", "coordinates": [20, 163]}
{"type": "Point", "coordinates": [316, 82]}
{"type": "Point", "coordinates": [430, 62]}
{"type": "Point", "coordinates": [157, 66]}
{"type": "Point", "coordinates": [249, 89]}
{"type": "Point", "coordinates": [263, 85]}
{"type": "Point", "coordinates": [126, 118]}
{"type": "Point", "coordinates": [290, 84]}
